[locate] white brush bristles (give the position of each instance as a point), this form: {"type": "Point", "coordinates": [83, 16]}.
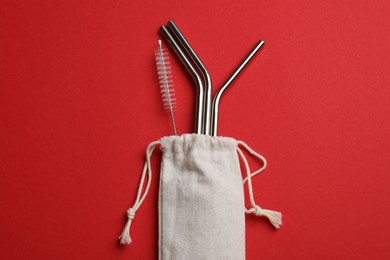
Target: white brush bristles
{"type": "Point", "coordinates": [166, 82]}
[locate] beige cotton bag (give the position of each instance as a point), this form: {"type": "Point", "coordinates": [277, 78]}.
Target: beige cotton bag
{"type": "Point", "coordinates": [201, 198]}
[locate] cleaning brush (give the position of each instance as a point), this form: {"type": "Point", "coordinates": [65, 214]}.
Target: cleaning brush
{"type": "Point", "coordinates": [166, 82]}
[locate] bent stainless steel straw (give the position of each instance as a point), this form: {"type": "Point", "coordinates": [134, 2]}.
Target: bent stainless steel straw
{"type": "Point", "coordinates": [198, 82]}
{"type": "Point", "coordinates": [221, 91]}
{"type": "Point", "coordinates": [206, 76]}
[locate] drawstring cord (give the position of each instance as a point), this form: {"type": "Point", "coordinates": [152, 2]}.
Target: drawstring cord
{"type": "Point", "coordinates": [147, 170]}
{"type": "Point", "coordinates": [274, 217]}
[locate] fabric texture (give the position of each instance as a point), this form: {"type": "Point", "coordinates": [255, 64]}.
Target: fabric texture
{"type": "Point", "coordinates": [201, 199]}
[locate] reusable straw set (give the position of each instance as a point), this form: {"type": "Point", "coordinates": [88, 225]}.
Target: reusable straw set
{"type": "Point", "coordinates": [201, 194]}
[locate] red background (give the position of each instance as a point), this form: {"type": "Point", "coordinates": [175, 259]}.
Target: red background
{"type": "Point", "coordinates": [79, 102]}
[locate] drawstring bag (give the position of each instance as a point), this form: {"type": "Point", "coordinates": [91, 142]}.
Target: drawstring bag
{"type": "Point", "coordinates": [201, 197]}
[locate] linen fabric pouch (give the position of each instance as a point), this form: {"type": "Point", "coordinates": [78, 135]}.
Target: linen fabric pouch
{"type": "Point", "coordinates": [201, 198]}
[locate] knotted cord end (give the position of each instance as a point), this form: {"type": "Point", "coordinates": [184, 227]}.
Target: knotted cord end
{"type": "Point", "coordinates": [125, 238]}
{"type": "Point", "coordinates": [274, 217]}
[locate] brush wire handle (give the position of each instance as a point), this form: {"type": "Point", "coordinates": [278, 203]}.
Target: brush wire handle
{"type": "Point", "coordinates": [166, 82]}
